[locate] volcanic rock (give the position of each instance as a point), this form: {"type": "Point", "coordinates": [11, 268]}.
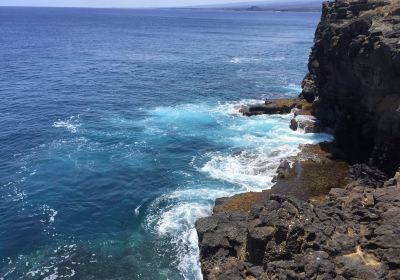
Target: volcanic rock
{"type": "Point", "coordinates": [352, 235]}
{"type": "Point", "coordinates": [275, 106]}
{"type": "Point", "coordinates": [354, 78]}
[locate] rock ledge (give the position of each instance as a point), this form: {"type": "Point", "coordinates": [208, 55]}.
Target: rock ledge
{"type": "Point", "coordinates": [352, 235]}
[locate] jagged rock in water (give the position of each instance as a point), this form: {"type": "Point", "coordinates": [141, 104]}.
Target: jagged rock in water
{"type": "Point", "coordinates": [274, 106]}
{"type": "Point", "coordinates": [354, 75]}
{"type": "Point", "coordinates": [307, 123]}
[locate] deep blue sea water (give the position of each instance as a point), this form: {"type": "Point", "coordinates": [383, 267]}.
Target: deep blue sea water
{"type": "Point", "coordinates": [119, 128]}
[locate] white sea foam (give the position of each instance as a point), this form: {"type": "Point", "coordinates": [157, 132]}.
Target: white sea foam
{"type": "Point", "coordinates": [52, 276]}
{"type": "Point", "coordinates": [277, 58]}
{"type": "Point", "coordinates": [33, 273]}
{"type": "Point", "coordinates": [137, 210]}
{"type": "Point", "coordinates": [49, 269]}
{"type": "Point", "coordinates": [239, 60]}
{"type": "Point", "coordinates": [254, 170]}
{"type": "Point", "coordinates": [176, 221]}
{"type": "Point", "coordinates": [71, 124]}
{"type": "Point", "coordinates": [232, 108]}
{"type": "Point", "coordinates": [263, 141]}
{"type": "Point", "coordinates": [254, 148]}
{"type": "Point", "coordinates": [51, 214]}
{"type": "Point", "coordinates": [235, 60]}
{"type": "Point", "coordinates": [293, 88]}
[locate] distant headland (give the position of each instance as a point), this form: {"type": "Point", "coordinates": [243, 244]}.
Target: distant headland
{"type": "Point", "coordinates": [274, 6]}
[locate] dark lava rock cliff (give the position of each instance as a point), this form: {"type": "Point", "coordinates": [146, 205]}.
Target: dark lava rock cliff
{"type": "Point", "coordinates": [354, 233]}
{"type": "Point", "coordinates": [354, 75]}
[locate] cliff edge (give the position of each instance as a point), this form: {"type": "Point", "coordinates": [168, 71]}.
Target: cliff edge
{"type": "Point", "coordinates": [354, 79]}
{"type": "Point", "coordinates": [352, 232]}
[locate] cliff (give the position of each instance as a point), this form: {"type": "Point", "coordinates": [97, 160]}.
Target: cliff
{"type": "Point", "coordinates": [354, 78]}
{"type": "Point", "coordinates": [324, 218]}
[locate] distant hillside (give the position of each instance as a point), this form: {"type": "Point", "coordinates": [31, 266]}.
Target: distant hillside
{"type": "Point", "coordinates": [290, 5]}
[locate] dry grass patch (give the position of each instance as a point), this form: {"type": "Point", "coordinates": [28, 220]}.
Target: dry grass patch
{"type": "Point", "coordinates": [386, 10]}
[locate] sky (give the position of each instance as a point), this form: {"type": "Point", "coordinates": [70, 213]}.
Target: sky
{"type": "Point", "coordinates": [114, 3]}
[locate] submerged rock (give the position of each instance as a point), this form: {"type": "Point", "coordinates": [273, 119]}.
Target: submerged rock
{"type": "Point", "coordinates": [306, 123]}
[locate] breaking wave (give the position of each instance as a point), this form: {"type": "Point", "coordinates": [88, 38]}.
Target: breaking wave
{"type": "Point", "coordinates": [248, 152]}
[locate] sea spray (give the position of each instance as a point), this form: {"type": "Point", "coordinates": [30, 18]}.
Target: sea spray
{"type": "Point", "coordinates": [116, 135]}
{"type": "Point", "coordinates": [249, 154]}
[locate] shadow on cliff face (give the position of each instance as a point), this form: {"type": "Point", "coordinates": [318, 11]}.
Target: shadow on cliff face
{"type": "Point", "coordinates": [354, 84]}
{"type": "Point", "coordinates": [354, 72]}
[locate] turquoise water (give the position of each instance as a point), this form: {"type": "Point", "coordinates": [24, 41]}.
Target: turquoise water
{"type": "Point", "coordinates": [120, 128]}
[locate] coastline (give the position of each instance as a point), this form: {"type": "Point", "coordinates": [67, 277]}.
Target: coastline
{"type": "Point", "coordinates": [333, 211]}
{"type": "Point", "coordinates": [307, 176]}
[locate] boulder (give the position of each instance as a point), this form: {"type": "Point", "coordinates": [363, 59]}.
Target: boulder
{"type": "Point", "coordinates": [352, 235]}
{"type": "Point", "coordinates": [306, 123]}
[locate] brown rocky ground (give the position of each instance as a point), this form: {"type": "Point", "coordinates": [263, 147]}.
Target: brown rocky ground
{"type": "Point", "coordinates": [308, 176]}
{"type": "Point", "coordinates": [352, 235]}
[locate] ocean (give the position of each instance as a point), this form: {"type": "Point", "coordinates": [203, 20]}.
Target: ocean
{"type": "Point", "coordinates": [119, 128]}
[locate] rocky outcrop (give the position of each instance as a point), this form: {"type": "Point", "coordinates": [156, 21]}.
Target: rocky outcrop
{"type": "Point", "coordinates": [322, 219]}
{"type": "Point", "coordinates": [275, 106]}
{"type": "Point", "coordinates": [354, 78]}
{"type": "Point", "coordinates": [353, 235]}
{"type": "Point", "coordinates": [301, 108]}
{"type": "Point", "coordinates": [309, 175]}
{"type": "Point", "coordinates": [306, 123]}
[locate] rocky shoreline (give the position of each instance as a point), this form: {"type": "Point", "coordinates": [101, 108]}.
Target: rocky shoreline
{"type": "Point", "coordinates": [352, 235]}
{"type": "Point", "coordinates": [333, 212]}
